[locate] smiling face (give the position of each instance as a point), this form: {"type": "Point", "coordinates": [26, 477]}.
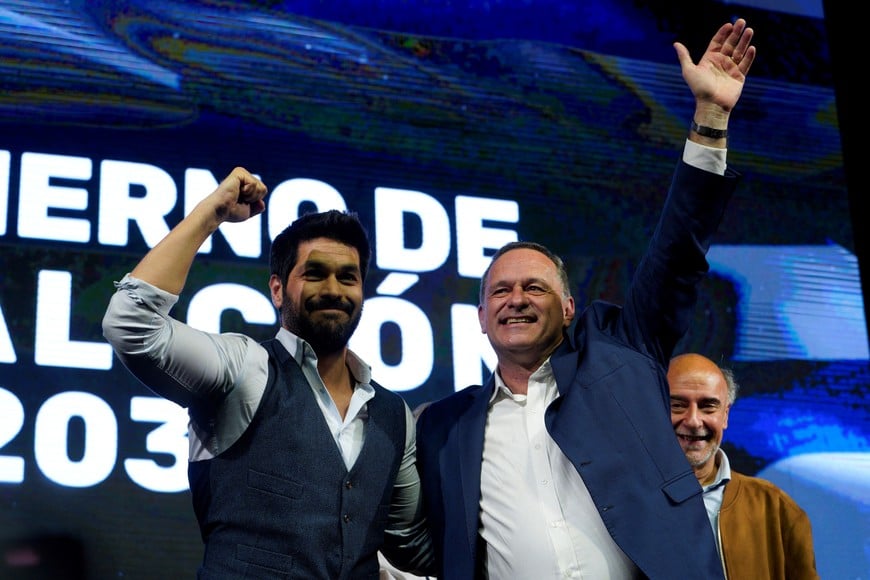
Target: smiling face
{"type": "Point", "coordinates": [524, 307]}
{"type": "Point", "coordinates": [699, 410]}
{"type": "Point", "coordinates": [321, 300]}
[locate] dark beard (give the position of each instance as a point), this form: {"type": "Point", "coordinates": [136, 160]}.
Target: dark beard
{"type": "Point", "coordinates": [326, 337]}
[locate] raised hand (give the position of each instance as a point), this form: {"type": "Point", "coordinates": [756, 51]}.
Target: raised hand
{"type": "Point", "coordinates": [239, 196]}
{"type": "Point", "coordinates": [720, 74]}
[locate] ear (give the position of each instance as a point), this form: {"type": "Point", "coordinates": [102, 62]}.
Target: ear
{"type": "Point", "coordinates": [276, 288]}
{"type": "Point", "coordinates": [481, 318]}
{"type": "Point", "coordinates": [568, 311]}
{"type": "Point", "coordinates": [727, 412]}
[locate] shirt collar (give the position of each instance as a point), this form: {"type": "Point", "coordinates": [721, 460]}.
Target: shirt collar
{"type": "Point", "coordinates": [543, 374]}
{"type": "Point", "coordinates": [723, 474]}
{"type": "Point", "coordinates": [304, 354]}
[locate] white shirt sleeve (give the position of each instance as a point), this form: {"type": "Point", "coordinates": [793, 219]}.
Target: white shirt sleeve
{"type": "Point", "coordinates": [190, 367]}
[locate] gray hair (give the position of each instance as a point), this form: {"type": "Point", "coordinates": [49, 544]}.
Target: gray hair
{"type": "Point", "coordinates": [731, 382]}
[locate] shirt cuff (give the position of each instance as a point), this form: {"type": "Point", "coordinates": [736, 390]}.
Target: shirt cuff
{"type": "Point", "coordinates": [710, 159]}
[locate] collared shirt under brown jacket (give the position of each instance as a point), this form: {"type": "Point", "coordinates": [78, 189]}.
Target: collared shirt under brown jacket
{"type": "Point", "coordinates": [764, 533]}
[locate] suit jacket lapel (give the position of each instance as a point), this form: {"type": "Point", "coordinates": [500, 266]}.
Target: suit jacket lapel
{"type": "Point", "coordinates": [468, 447]}
{"type": "Point", "coordinates": [564, 364]}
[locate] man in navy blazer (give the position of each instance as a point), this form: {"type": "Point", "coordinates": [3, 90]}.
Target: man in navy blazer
{"type": "Point", "coordinates": [564, 465]}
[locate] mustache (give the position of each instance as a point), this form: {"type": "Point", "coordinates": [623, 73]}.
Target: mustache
{"type": "Point", "coordinates": [329, 304]}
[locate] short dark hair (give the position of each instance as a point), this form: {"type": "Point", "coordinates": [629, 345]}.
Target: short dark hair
{"type": "Point", "coordinates": [341, 226]}
{"type": "Point", "coordinates": [557, 261]}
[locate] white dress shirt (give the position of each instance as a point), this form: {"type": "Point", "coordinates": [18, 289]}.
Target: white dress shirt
{"type": "Point", "coordinates": [537, 517]}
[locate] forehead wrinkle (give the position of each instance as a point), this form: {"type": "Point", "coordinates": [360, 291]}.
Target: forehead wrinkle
{"type": "Point", "coordinates": [521, 281]}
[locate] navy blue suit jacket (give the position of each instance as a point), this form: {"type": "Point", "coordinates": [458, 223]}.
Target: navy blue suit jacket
{"type": "Point", "coordinates": [612, 415]}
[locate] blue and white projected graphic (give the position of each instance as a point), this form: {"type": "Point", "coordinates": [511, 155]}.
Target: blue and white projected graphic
{"type": "Point", "coordinates": [451, 128]}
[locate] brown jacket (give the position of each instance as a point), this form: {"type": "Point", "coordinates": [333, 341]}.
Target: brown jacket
{"type": "Point", "coordinates": [765, 535]}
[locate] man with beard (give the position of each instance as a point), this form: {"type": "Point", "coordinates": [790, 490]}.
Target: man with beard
{"type": "Point", "coordinates": [760, 531]}
{"type": "Point", "coordinates": [300, 466]}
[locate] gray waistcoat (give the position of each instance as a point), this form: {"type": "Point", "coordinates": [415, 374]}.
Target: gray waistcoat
{"type": "Point", "coordinates": [280, 503]}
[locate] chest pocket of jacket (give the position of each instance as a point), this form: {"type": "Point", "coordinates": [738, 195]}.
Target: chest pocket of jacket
{"type": "Point", "coordinates": [682, 488]}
